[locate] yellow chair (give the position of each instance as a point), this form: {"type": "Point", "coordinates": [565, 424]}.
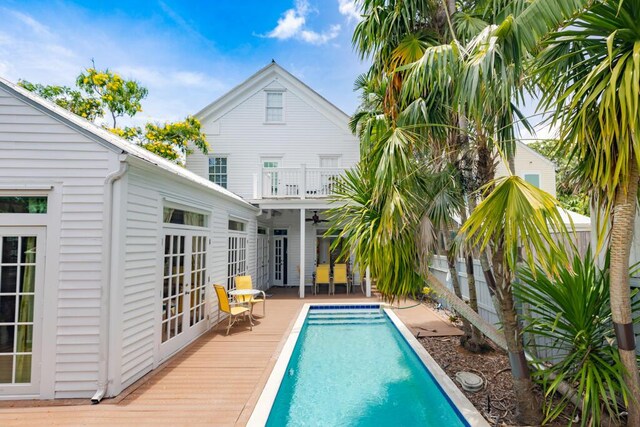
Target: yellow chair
{"type": "Point", "coordinates": [234, 312]}
{"type": "Point", "coordinates": [340, 276]}
{"type": "Point", "coordinates": [244, 282]}
{"type": "Point", "coordinates": [322, 277]}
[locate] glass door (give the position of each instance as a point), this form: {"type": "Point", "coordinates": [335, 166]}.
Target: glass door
{"type": "Point", "coordinates": [280, 257]}
{"type": "Point", "coordinates": [271, 179]}
{"type": "Point", "coordinates": [21, 287]}
{"type": "Point", "coordinates": [184, 286]}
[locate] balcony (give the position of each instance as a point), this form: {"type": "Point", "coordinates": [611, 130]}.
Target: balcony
{"type": "Point", "coordinates": [296, 183]}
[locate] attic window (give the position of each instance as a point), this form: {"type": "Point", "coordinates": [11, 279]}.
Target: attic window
{"type": "Point", "coordinates": [274, 107]}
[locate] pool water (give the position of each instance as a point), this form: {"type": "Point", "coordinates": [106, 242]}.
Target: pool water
{"type": "Point", "coordinates": [352, 367]}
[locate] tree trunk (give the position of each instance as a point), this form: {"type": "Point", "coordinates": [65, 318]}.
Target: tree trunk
{"type": "Point", "coordinates": [624, 214]}
{"type": "Point", "coordinates": [527, 405]}
{"type": "Point", "coordinates": [473, 341]}
{"type": "Point", "coordinates": [455, 282]}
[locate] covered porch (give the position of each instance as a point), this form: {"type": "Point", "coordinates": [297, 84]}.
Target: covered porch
{"type": "Point", "coordinates": [298, 243]}
{"type": "Point", "coordinates": [216, 380]}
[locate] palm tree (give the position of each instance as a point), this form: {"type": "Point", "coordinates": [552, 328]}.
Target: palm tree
{"type": "Point", "coordinates": [590, 71]}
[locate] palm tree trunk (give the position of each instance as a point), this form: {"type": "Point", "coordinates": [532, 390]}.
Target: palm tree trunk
{"type": "Point", "coordinates": [527, 405]}
{"type": "Point", "coordinates": [474, 341]}
{"type": "Point", "coordinates": [455, 282]}
{"type": "Point", "coordinates": [624, 214]}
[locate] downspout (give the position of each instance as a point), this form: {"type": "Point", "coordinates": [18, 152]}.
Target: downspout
{"type": "Point", "coordinates": [105, 291]}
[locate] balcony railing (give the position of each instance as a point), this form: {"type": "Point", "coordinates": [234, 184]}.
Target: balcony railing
{"type": "Point", "coordinates": [296, 183]}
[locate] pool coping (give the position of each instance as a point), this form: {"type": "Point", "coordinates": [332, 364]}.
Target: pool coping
{"type": "Point", "coordinates": [262, 410]}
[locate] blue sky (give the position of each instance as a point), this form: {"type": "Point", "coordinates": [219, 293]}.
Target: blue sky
{"type": "Point", "coordinates": [186, 53]}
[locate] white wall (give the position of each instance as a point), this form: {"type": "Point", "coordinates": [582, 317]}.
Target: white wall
{"type": "Point", "coordinates": [242, 134]}
{"type": "Point", "coordinates": [35, 148]}
{"type": "Point", "coordinates": [529, 161]}
{"type": "Point", "coordinates": [142, 285]}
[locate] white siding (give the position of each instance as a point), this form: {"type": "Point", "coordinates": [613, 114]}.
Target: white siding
{"type": "Point", "coordinates": [142, 282]}
{"type": "Point", "coordinates": [242, 134]}
{"type": "Point", "coordinates": [528, 161]}
{"type": "Point", "coordinates": [37, 148]}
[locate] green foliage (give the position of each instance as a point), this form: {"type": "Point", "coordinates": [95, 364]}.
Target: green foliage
{"type": "Point", "coordinates": [571, 312]}
{"type": "Point", "coordinates": [101, 93]}
{"type": "Point", "coordinates": [67, 98]}
{"type": "Point", "coordinates": [590, 75]}
{"type": "Point", "coordinates": [169, 140]}
{"type": "Point", "coordinates": [568, 192]}
{"type": "Point", "coordinates": [517, 214]}
{"type": "Point", "coordinates": [120, 97]}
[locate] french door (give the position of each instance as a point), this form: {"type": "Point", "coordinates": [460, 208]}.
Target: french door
{"type": "Point", "coordinates": [21, 288]}
{"type": "Point", "coordinates": [184, 286]}
{"type": "Point", "coordinates": [280, 256]}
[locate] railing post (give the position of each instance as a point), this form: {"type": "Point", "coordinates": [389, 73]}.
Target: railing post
{"type": "Point", "coordinates": [260, 178]}
{"type": "Point", "coordinates": [303, 181]}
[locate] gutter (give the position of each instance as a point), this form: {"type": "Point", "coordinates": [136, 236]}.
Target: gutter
{"type": "Point", "coordinates": [105, 291]}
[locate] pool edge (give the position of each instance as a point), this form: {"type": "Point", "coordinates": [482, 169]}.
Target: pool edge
{"type": "Point", "coordinates": [263, 407]}
{"type": "Point", "coordinates": [469, 412]}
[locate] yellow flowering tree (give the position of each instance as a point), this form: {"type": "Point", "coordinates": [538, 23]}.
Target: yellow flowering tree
{"type": "Point", "coordinates": [119, 97]}
{"type": "Point", "coordinates": [169, 140]}
{"type": "Point", "coordinates": [104, 93]}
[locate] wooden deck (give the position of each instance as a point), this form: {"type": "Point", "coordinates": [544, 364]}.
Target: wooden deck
{"type": "Point", "coordinates": [217, 380]}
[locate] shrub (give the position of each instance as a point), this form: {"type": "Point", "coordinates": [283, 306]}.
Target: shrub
{"type": "Point", "coordinates": [571, 315]}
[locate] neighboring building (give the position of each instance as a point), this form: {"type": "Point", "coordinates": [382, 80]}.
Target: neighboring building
{"type": "Point", "coordinates": [533, 167]}
{"type": "Point", "coordinates": [280, 145]}
{"type": "Point", "coordinates": [107, 253]}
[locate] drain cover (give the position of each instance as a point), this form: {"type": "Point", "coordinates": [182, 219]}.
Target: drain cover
{"type": "Point", "coordinates": [469, 381]}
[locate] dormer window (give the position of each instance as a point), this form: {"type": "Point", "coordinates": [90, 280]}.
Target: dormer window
{"type": "Point", "coordinates": [274, 107]}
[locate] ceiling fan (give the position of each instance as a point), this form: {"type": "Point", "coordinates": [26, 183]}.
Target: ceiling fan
{"type": "Point", "coordinates": [316, 219]}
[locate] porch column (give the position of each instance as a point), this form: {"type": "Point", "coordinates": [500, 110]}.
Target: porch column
{"type": "Point", "coordinates": [302, 257]}
{"type": "Point", "coordinates": [368, 282]}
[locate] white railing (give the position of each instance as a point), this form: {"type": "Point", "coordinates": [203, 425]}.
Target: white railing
{"type": "Point", "coordinates": [296, 183]}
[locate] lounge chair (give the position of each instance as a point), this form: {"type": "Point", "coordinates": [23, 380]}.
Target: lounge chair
{"type": "Point", "coordinates": [232, 310]}
{"type": "Point", "coordinates": [244, 282]}
{"type": "Point", "coordinates": [340, 276]}
{"type": "Point", "coordinates": [322, 278]}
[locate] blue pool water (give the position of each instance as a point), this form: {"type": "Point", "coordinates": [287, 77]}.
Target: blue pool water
{"type": "Point", "coordinates": [352, 367]}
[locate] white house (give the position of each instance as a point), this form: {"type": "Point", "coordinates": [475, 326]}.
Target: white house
{"type": "Point", "coordinates": [107, 253]}
{"type": "Point", "coordinates": [533, 167]}
{"type": "Point", "coordinates": [279, 144]}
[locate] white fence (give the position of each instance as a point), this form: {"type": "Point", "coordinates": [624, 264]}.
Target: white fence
{"type": "Point", "coordinates": [298, 183]}
{"type": "Point", "coordinates": [486, 309]}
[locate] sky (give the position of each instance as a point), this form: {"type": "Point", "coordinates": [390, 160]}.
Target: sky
{"type": "Point", "coordinates": [186, 53]}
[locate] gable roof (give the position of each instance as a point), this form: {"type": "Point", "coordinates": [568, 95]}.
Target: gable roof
{"type": "Point", "coordinates": [535, 153]}
{"type": "Point", "coordinates": [259, 81]}
{"type": "Point", "coordinates": [112, 141]}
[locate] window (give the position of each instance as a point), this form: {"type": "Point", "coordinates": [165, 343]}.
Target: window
{"type": "Point", "coordinates": [178, 216]}
{"type": "Point", "coordinates": [236, 225]}
{"type": "Point", "coordinates": [329, 161]}
{"type": "Point", "coordinates": [23, 204]}
{"type": "Point", "coordinates": [275, 107]}
{"type": "Point", "coordinates": [218, 171]}
{"type": "Point", "coordinates": [237, 258]}
{"type": "Point", "coordinates": [532, 178]}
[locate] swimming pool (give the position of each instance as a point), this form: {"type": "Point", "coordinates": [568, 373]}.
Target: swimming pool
{"type": "Point", "coordinates": [358, 365]}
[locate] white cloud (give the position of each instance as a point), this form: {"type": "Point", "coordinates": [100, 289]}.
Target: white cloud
{"type": "Point", "coordinates": [320, 38]}
{"type": "Point", "coordinates": [293, 22]}
{"type": "Point", "coordinates": [350, 9]}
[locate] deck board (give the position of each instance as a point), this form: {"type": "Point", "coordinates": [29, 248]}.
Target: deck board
{"type": "Point", "coordinates": [217, 380]}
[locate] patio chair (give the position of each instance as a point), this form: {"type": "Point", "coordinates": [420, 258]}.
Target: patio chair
{"type": "Point", "coordinates": [234, 312]}
{"type": "Point", "coordinates": [244, 282]}
{"type": "Point", "coordinates": [340, 277]}
{"type": "Point", "coordinates": [322, 278]}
